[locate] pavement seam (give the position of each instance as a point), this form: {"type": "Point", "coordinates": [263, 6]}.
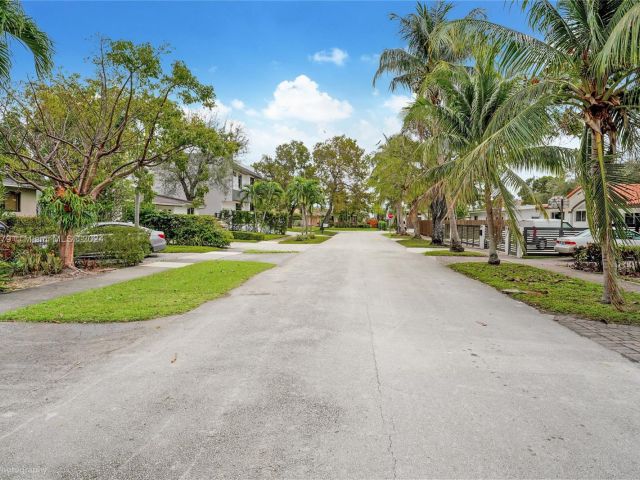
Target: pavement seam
{"type": "Point", "coordinates": [379, 387]}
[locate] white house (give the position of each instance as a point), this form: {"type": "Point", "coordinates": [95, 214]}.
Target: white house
{"type": "Point", "coordinates": [21, 199]}
{"type": "Point", "coordinates": [217, 199]}
{"type": "Point", "coordinates": [576, 212]}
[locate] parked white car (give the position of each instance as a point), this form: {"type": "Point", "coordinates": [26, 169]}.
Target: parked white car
{"type": "Point", "coordinates": [156, 238]}
{"type": "Point", "coordinates": [568, 245]}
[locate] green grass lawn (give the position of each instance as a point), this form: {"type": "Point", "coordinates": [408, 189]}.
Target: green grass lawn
{"type": "Point", "coordinates": [352, 229]}
{"type": "Point", "coordinates": [317, 239]}
{"type": "Point", "coordinates": [243, 241]}
{"type": "Point", "coordinates": [448, 253]}
{"type": "Point", "coordinates": [552, 292]}
{"type": "Point", "coordinates": [255, 252]}
{"type": "Point", "coordinates": [274, 236]}
{"type": "Point", "coordinates": [189, 249]}
{"type": "Point", "coordinates": [395, 235]}
{"type": "Point", "coordinates": [419, 243]}
{"type": "Point", "coordinates": [158, 295]}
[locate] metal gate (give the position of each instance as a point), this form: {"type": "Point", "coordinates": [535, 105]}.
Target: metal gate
{"type": "Point", "coordinates": [541, 240]}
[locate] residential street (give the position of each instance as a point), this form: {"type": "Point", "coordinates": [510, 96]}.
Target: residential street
{"type": "Point", "coordinates": [352, 359]}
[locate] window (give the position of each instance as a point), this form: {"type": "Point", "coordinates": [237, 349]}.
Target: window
{"type": "Point", "coordinates": [191, 211]}
{"type": "Point", "coordinates": [556, 215]}
{"type": "Point", "coordinates": [632, 219]}
{"type": "Point", "coordinates": [239, 182]}
{"type": "Point", "coordinates": [251, 180]}
{"type": "Point", "coordinates": [238, 206]}
{"type": "Point", "coordinates": [581, 216]}
{"type": "Point", "coordinates": [12, 202]}
{"type": "Point", "coordinates": [251, 207]}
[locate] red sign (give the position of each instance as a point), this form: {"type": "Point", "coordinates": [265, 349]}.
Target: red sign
{"type": "Point", "coordinates": [389, 216]}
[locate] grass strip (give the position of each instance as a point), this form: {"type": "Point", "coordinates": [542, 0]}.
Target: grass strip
{"type": "Point", "coordinates": [419, 243]}
{"type": "Point", "coordinates": [317, 239]}
{"type": "Point", "coordinates": [189, 249]}
{"type": "Point", "coordinates": [255, 252]}
{"type": "Point", "coordinates": [165, 293]}
{"type": "Point", "coordinates": [448, 253]}
{"type": "Point", "coordinates": [552, 292]}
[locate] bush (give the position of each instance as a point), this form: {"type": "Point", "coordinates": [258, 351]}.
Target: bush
{"type": "Point", "coordinates": [199, 230]}
{"type": "Point", "coordinates": [6, 269]}
{"type": "Point", "coordinates": [373, 222]}
{"type": "Point", "coordinates": [382, 225]}
{"type": "Point", "coordinates": [33, 226]}
{"type": "Point", "coordinates": [124, 246]}
{"type": "Point", "coordinates": [589, 258]}
{"type": "Point", "coordinates": [26, 258]}
{"type": "Point", "coordinates": [240, 235]}
{"type": "Point", "coordinates": [274, 222]}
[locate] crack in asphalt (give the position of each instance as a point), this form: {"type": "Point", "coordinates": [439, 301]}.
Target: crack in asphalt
{"type": "Point", "coordinates": [379, 387]}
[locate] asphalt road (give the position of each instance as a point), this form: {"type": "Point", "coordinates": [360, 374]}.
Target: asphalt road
{"type": "Point", "coordinates": [354, 359]}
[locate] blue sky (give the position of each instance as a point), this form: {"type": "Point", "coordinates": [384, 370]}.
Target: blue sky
{"type": "Point", "coordinates": [284, 70]}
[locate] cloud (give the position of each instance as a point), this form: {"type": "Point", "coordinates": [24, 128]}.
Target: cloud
{"type": "Point", "coordinates": [237, 104]}
{"type": "Point", "coordinates": [219, 112]}
{"type": "Point", "coordinates": [301, 99]}
{"type": "Point", "coordinates": [396, 103]}
{"type": "Point", "coordinates": [335, 55]}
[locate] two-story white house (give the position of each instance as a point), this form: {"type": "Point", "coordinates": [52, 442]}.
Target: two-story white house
{"type": "Point", "coordinates": [218, 199]}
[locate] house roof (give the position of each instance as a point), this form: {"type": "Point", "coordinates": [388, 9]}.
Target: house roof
{"type": "Point", "coordinates": [629, 191]}
{"type": "Point", "coordinates": [7, 182]}
{"type": "Point", "coordinates": [166, 200]}
{"type": "Point", "coordinates": [246, 170]}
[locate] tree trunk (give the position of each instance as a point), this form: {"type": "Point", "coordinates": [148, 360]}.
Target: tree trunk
{"type": "Point", "coordinates": [327, 216]}
{"type": "Point", "coordinates": [401, 229]}
{"type": "Point", "coordinates": [66, 249]}
{"type": "Point", "coordinates": [611, 291]}
{"type": "Point", "coordinates": [304, 220]}
{"type": "Point", "coordinates": [290, 219]}
{"type": "Point", "coordinates": [454, 237]}
{"type": "Point", "coordinates": [438, 209]}
{"type": "Point", "coordinates": [136, 212]}
{"type": "Point", "coordinates": [413, 216]}
{"type": "Point", "coordinates": [493, 248]}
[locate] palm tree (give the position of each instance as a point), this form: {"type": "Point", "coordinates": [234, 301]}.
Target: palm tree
{"type": "Point", "coordinates": [305, 194]}
{"type": "Point", "coordinates": [16, 25]}
{"type": "Point", "coordinates": [428, 44]}
{"type": "Point", "coordinates": [265, 196]}
{"type": "Point", "coordinates": [493, 131]}
{"type": "Point", "coordinates": [589, 58]}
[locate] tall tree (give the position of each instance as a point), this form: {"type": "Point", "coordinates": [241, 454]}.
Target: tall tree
{"type": "Point", "coordinates": [16, 25]}
{"type": "Point", "coordinates": [588, 59]}
{"type": "Point", "coordinates": [428, 44]}
{"type": "Point", "coordinates": [208, 164]}
{"type": "Point", "coordinates": [494, 131]}
{"type": "Point", "coordinates": [340, 166]}
{"type": "Point", "coordinates": [291, 160]}
{"type": "Point", "coordinates": [265, 195]}
{"type": "Point", "coordinates": [82, 134]}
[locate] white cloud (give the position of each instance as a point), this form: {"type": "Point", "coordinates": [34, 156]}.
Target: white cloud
{"type": "Point", "coordinates": [301, 99]}
{"type": "Point", "coordinates": [335, 55]}
{"type": "Point", "coordinates": [220, 111]}
{"type": "Point", "coordinates": [237, 104]}
{"type": "Point", "coordinates": [396, 103]}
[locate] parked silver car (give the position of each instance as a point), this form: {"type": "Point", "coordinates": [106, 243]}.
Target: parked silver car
{"type": "Point", "coordinates": [156, 238]}
{"type": "Point", "coordinates": [569, 244]}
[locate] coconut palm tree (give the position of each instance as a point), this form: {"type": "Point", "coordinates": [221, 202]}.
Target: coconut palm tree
{"type": "Point", "coordinates": [16, 25]}
{"type": "Point", "coordinates": [305, 194]}
{"type": "Point", "coordinates": [493, 132]}
{"type": "Point", "coordinates": [589, 59]}
{"type": "Point", "coordinates": [428, 44]}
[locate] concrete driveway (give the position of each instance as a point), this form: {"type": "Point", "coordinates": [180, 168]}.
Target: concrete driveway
{"type": "Point", "coordinates": [354, 359]}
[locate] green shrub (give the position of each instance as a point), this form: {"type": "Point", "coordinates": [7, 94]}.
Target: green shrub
{"type": "Point", "coordinates": [6, 269]}
{"type": "Point", "coordinates": [240, 235]}
{"type": "Point", "coordinates": [27, 258]}
{"type": "Point", "coordinates": [199, 230]}
{"type": "Point", "coordinates": [124, 246]}
{"type": "Point", "coordinates": [382, 225]}
{"type": "Point", "coordinates": [33, 226]}
{"type": "Point", "coordinates": [589, 258]}
{"type": "Point", "coordinates": [274, 222]}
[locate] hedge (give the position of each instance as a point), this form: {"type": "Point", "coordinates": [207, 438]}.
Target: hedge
{"type": "Point", "coordinates": [32, 226]}
{"type": "Point", "coordinates": [200, 230]}
{"type": "Point", "coordinates": [241, 235]}
{"type": "Point", "coordinates": [124, 246]}
{"type": "Point", "coordinates": [274, 222]}
{"type": "Point", "coordinates": [589, 258]}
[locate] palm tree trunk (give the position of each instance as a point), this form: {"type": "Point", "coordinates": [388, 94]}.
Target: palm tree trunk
{"type": "Point", "coordinates": [493, 248]}
{"type": "Point", "coordinates": [413, 216]}
{"type": "Point", "coordinates": [304, 220]}
{"type": "Point", "coordinates": [438, 209]}
{"type": "Point", "coordinates": [456, 244]}
{"type": "Point", "coordinates": [611, 291]}
{"type": "Point", "coordinates": [400, 228]}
